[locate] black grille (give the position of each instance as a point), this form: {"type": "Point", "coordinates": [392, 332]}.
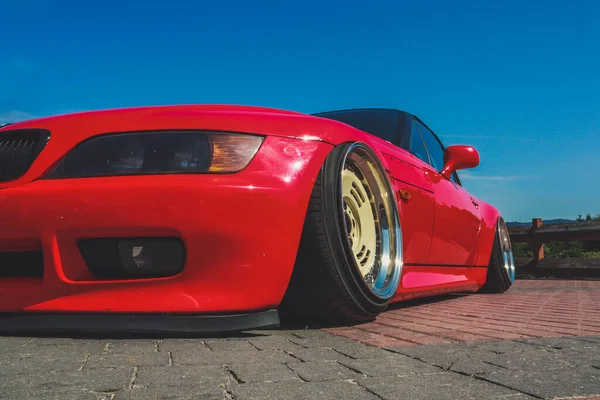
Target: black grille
{"type": "Point", "coordinates": [18, 149]}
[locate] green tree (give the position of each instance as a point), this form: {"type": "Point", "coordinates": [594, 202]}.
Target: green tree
{"type": "Point", "coordinates": [579, 218]}
{"type": "Point", "coordinates": [563, 249]}
{"type": "Point", "coordinates": [522, 250]}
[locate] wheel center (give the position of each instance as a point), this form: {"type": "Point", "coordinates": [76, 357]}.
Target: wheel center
{"type": "Point", "coordinates": [361, 222]}
{"type": "Point", "coordinates": [352, 223]}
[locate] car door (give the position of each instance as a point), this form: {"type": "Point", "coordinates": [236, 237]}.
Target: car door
{"type": "Point", "coordinates": [413, 190]}
{"type": "Point", "coordinates": [457, 217]}
{"type": "Point", "coordinates": [414, 195]}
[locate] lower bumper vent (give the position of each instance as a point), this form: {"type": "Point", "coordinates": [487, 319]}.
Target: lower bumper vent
{"type": "Point", "coordinates": [21, 264]}
{"type": "Point", "coordinates": [133, 258]}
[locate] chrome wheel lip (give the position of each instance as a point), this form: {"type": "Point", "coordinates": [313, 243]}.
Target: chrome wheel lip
{"type": "Point", "coordinates": [508, 259]}
{"type": "Point", "coordinates": [391, 251]}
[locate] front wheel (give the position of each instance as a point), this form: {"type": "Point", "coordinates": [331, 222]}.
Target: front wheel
{"type": "Point", "coordinates": [350, 256]}
{"type": "Point", "coordinates": [501, 271]}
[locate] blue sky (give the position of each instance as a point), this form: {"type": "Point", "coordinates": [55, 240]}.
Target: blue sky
{"type": "Point", "coordinates": [517, 79]}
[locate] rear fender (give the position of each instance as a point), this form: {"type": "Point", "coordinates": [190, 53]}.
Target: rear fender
{"type": "Point", "coordinates": [487, 233]}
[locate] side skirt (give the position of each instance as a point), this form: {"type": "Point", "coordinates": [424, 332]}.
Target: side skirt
{"type": "Point", "coordinates": [428, 280]}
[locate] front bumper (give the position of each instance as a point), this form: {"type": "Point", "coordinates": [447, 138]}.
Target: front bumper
{"type": "Point", "coordinates": [241, 232]}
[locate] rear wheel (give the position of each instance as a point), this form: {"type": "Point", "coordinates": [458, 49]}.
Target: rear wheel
{"type": "Point", "coordinates": [350, 256]}
{"type": "Point", "coordinates": [501, 271]}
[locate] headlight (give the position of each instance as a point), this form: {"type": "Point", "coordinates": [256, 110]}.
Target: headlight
{"type": "Point", "coordinates": [159, 153]}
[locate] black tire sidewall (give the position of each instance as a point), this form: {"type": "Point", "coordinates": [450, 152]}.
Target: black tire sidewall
{"type": "Point", "coordinates": [497, 280]}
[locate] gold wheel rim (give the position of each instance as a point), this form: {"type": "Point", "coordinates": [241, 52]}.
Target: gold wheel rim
{"type": "Point", "coordinates": [371, 221]}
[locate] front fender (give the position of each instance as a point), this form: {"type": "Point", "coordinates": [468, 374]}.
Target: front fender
{"type": "Point", "coordinates": [332, 132]}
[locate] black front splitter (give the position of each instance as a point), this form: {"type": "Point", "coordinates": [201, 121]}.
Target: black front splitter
{"type": "Point", "coordinates": [113, 323]}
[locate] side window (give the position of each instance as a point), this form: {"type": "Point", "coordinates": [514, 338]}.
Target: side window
{"type": "Point", "coordinates": [435, 150]}
{"type": "Point", "coordinates": [434, 147]}
{"type": "Point", "coordinates": [454, 178]}
{"type": "Point", "coordinates": [416, 144]}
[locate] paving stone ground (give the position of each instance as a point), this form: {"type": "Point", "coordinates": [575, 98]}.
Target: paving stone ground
{"type": "Point", "coordinates": [313, 363]}
{"type": "Point", "coordinates": [531, 308]}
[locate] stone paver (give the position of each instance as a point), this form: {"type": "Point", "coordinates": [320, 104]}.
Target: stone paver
{"type": "Point", "coordinates": [263, 372]}
{"type": "Point", "coordinates": [302, 391]}
{"type": "Point", "coordinates": [318, 371]}
{"type": "Point", "coordinates": [510, 369]}
{"type": "Point", "coordinates": [440, 386]}
{"type": "Point", "coordinates": [565, 382]}
{"type": "Point", "coordinates": [455, 351]}
{"type": "Point", "coordinates": [530, 309]}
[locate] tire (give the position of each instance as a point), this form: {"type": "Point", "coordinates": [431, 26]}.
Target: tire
{"type": "Point", "coordinates": [335, 280]}
{"type": "Point", "coordinates": [501, 270]}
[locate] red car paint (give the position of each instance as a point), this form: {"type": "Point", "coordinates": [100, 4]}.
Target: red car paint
{"type": "Point", "coordinates": [241, 230]}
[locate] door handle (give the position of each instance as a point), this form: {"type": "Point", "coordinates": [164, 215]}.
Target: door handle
{"type": "Point", "coordinates": [475, 203]}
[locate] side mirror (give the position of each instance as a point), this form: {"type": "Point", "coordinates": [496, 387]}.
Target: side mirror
{"type": "Point", "coordinates": [459, 157]}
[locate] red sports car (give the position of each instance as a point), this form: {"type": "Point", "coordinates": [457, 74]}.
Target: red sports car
{"type": "Point", "coordinates": [211, 218]}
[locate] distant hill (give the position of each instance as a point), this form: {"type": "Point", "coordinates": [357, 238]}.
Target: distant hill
{"type": "Point", "coordinates": [546, 221]}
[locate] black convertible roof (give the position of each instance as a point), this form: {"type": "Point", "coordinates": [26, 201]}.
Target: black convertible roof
{"type": "Point", "coordinates": [364, 109]}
